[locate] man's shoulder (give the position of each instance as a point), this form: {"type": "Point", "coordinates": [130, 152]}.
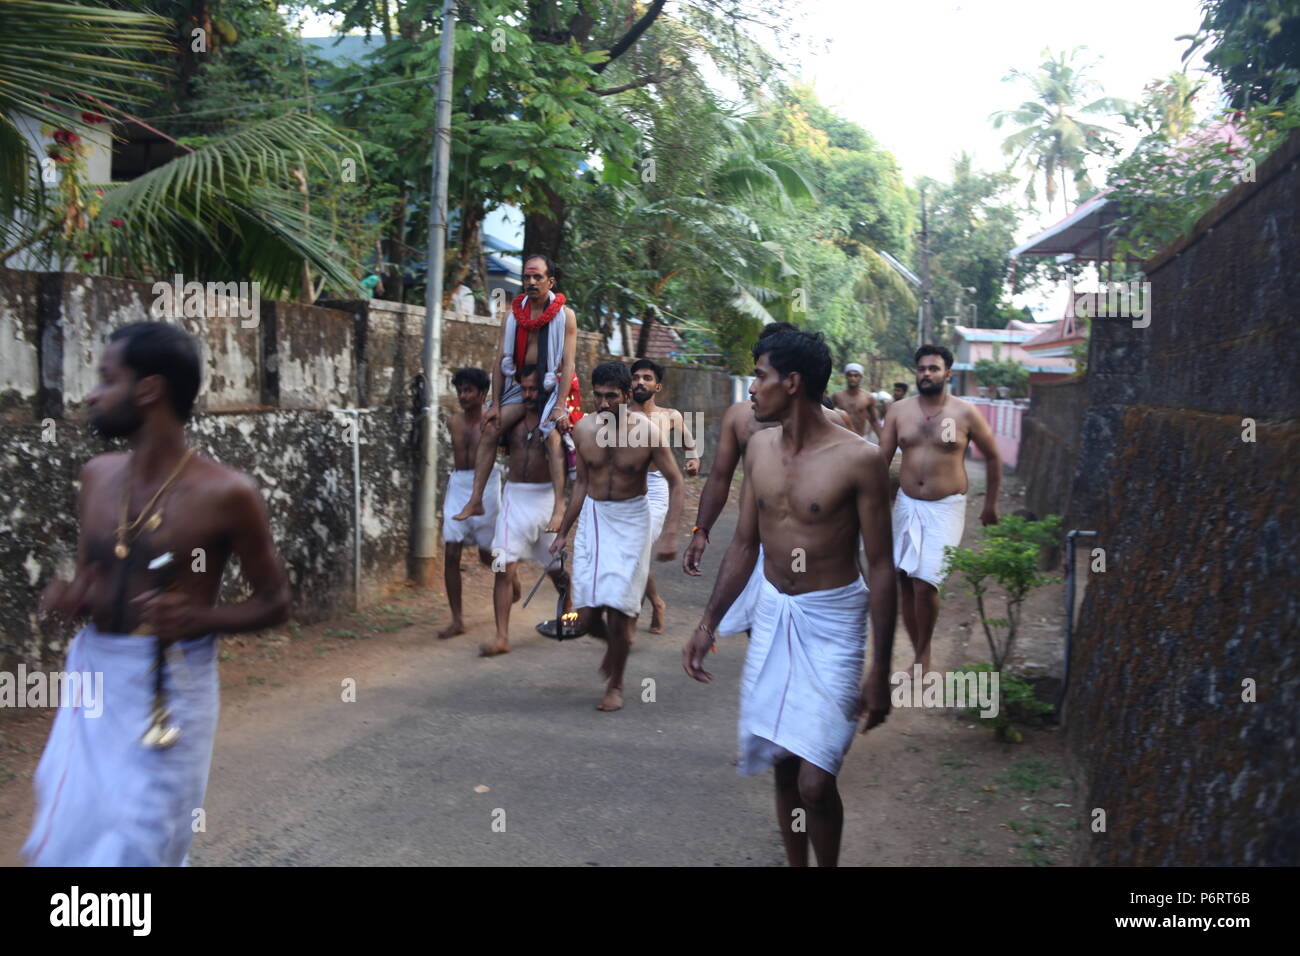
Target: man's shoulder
{"type": "Point", "coordinates": [221, 475]}
{"type": "Point", "coordinates": [901, 405]}
{"type": "Point", "coordinates": [853, 454]}
{"type": "Point", "coordinates": [739, 414]}
{"type": "Point", "coordinates": [105, 464]}
{"type": "Point", "coordinates": [589, 424]}
{"type": "Point", "coordinates": [570, 317]}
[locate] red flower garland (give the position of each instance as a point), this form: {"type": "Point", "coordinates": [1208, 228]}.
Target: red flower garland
{"type": "Point", "coordinates": [526, 322]}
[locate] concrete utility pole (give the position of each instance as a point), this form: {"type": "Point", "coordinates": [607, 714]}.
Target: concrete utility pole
{"type": "Point", "coordinates": [426, 530]}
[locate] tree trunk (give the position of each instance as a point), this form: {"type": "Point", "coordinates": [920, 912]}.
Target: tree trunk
{"type": "Point", "coordinates": [624, 335]}
{"type": "Point", "coordinates": [643, 340]}
{"type": "Point", "coordinates": [395, 284]}
{"type": "Point", "coordinates": [471, 241]}
{"type": "Point", "coordinates": [544, 229]}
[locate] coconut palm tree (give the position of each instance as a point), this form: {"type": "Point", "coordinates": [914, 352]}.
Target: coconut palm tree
{"type": "Point", "coordinates": [231, 209]}
{"type": "Point", "coordinates": [1053, 139]}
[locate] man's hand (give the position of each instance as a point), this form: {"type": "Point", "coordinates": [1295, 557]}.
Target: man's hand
{"type": "Point", "coordinates": [63, 601]}
{"type": "Point", "coordinates": [666, 547]}
{"type": "Point", "coordinates": [490, 414]}
{"type": "Point", "coordinates": [694, 551]}
{"type": "Point", "coordinates": [171, 615]}
{"type": "Point", "coordinates": [558, 544]}
{"type": "Point", "coordinates": [693, 654]}
{"type": "Point", "coordinates": [692, 467]}
{"type": "Point", "coordinates": [989, 515]}
{"type": "Point", "coordinates": [874, 700]}
{"type": "Point", "coordinates": [560, 417]}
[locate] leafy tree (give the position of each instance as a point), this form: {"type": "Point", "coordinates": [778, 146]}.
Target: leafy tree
{"type": "Point", "coordinates": [1053, 138]}
{"type": "Point", "coordinates": [998, 373]}
{"type": "Point", "coordinates": [972, 228]}
{"type": "Point", "coordinates": [1254, 47]}
{"type": "Point", "coordinates": [229, 208]}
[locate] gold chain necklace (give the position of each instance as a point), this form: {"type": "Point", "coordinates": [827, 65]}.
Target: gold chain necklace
{"type": "Point", "coordinates": [122, 549]}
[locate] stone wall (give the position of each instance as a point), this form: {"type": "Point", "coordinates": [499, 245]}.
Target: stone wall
{"type": "Point", "coordinates": [1185, 672]}
{"type": "Point", "coordinates": [279, 390]}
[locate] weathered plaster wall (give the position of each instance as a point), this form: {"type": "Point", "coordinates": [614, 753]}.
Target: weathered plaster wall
{"type": "Point", "coordinates": [1200, 528]}
{"type": "Point", "coordinates": [301, 461]}
{"type": "Point", "coordinates": [270, 405]}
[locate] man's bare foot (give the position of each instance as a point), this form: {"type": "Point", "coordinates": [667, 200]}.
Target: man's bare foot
{"type": "Point", "coordinates": [471, 509]}
{"type": "Point", "coordinates": [657, 615]}
{"type": "Point", "coordinates": [493, 648]}
{"type": "Point", "coordinates": [451, 630]}
{"type": "Point", "coordinates": [613, 700]}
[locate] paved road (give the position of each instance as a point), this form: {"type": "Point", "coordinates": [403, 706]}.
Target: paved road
{"type": "Point", "coordinates": [302, 778]}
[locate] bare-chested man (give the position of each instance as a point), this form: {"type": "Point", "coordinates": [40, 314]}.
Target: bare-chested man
{"type": "Point", "coordinates": [858, 402]}
{"type": "Point", "coordinates": [102, 797]}
{"type": "Point", "coordinates": [933, 428]}
{"type": "Point", "coordinates": [647, 385]}
{"type": "Point", "coordinates": [738, 426]}
{"type": "Point", "coordinates": [539, 330]}
{"type": "Point", "coordinates": [471, 385]}
{"type": "Point", "coordinates": [810, 491]}
{"type": "Point", "coordinates": [611, 553]}
{"type": "Point", "coordinates": [529, 511]}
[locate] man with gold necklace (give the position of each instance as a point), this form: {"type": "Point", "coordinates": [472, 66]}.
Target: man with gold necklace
{"type": "Point", "coordinates": [157, 527]}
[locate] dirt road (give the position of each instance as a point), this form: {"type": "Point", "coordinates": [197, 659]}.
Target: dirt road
{"type": "Point", "coordinates": [447, 758]}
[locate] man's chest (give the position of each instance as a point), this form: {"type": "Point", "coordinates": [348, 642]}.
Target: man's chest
{"type": "Point", "coordinates": [186, 521]}
{"type": "Point", "coordinates": [807, 492]}
{"type": "Point", "coordinates": [942, 433]}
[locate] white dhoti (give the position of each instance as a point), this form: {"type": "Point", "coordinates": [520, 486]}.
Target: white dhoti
{"type": "Point", "coordinates": [802, 677]}
{"type": "Point", "coordinates": [740, 616]}
{"type": "Point", "coordinates": [103, 799]}
{"type": "Point", "coordinates": [521, 534]}
{"type": "Point", "coordinates": [479, 529]}
{"type": "Point", "coordinates": [922, 529]}
{"type": "Point", "coordinates": [656, 494]}
{"type": "Point", "coordinates": [611, 554]}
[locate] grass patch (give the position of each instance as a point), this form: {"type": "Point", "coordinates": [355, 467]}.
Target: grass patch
{"type": "Point", "coordinates": [1030, 775]}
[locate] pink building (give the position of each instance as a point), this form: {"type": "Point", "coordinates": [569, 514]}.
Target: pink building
{"type": "Point", "coordinates": [970, 345]}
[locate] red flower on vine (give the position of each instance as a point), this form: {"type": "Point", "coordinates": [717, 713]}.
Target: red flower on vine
{"type": "Point", "coordinates": [92, 118]}
{"type": "Point", "coordinates": [66, 137]}
{"type": "Point", "coordinates": [116, 223]}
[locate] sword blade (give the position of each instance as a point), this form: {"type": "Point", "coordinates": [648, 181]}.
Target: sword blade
{"type": "Point", "coordinates": [545, 571]}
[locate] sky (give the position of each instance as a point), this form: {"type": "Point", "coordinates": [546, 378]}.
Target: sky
{"type": "Point", "coordinates": [922, 76]}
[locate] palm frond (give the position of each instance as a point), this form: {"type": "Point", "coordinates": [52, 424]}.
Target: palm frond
{"type": "Point", "coordinates": [231, 209]}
